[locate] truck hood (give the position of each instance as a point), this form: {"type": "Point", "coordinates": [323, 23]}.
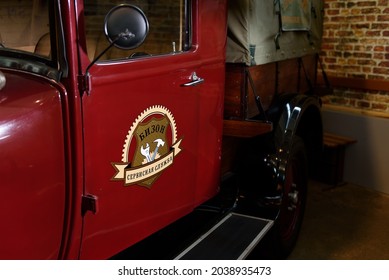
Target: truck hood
{"type": "Point", "coordinates": [32, 166]}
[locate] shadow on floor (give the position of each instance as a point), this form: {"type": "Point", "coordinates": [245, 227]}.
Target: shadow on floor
{"type": "Point", "coordinates": [344, 223]}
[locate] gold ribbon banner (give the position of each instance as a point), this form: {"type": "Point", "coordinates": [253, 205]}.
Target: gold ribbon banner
{"type": "Point", "coordinates": [133, 175]}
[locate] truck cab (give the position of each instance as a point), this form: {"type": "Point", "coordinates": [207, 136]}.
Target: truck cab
{"type": "Point", "coordinates": [118, 118]}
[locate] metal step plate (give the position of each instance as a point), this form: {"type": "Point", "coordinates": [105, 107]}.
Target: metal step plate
{"type": "Point", "coordinates": [232, 238]}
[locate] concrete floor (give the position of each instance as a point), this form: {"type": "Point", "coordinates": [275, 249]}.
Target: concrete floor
{"type": "Point", "coordinates": [344, 223]}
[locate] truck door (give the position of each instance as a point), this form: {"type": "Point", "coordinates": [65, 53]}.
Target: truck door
{"type": "Point", "coordinates": [152, 121]}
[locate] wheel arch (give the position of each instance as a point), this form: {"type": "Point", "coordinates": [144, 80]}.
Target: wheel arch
{"type": "Point", "coordinates": [297, 138]}
{"type": "Point", "coordinates": [301, 116]}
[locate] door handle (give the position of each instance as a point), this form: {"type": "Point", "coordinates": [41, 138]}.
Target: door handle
{"type": "Point", "coordinates": [195, 80]}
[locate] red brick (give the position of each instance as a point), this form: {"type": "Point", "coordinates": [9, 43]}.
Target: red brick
{"type": "Point", "coordinates": [371, 11]}
{"type": "Point", "coordinates": [366, 69]}
{"type": "Point", "coordinates": [327, 47]}
{"type": "Point", "coordinates": [379, 106]}
{"type": "Point", "coordinates": [355, 18]}
{"type": "Point", "coordinates": [383, 18]}
{"type": "Point", "coordinates": [364, 25]}
{"type": "Point", "coordinates": [384, 71]}
{"type": "Point", "coordinates": [379, 49]}
{"type": "Point", "coordinates": [354, 95]}
{"type": "Point", "coordinates": [384, 64]}
{"type": "Point", "coordinates": [366, 62]}
{"type": "Point", "coordinates": [343, 47]}
{"type": "Point", "coordinates": [378, 56]}
{"type": "Point", "coordinates": [363, 104]}
{"type": "Point", "coordinates": [373, 33]}
{"type": "Point", "coordinates": [336, 4]}
{"type": "Point", "coordinates": [332, 12]}
{"type": "Point", "coordinates": [380, 26]}
{"type": "Point", "coordinates": [366, 3]}
{"type": "Point", "coordinates": [371, 18]}
{"type": "Point", "coordinates": [330, 60]}
{"type": "Point", "coordinates": [345, 33]}
{"type": "Point", "coordinates": [338, 19]}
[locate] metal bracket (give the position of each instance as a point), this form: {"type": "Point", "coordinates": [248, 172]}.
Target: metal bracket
{"type": "Point", "coordinates": [84, 83]}
{"type": "Point", "coordinates": [256, 96]}
{"type": "Point", "coordinates": [89, 203]}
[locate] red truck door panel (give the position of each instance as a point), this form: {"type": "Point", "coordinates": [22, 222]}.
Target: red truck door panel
{"type": "Point", "coordinates": [152, 139]}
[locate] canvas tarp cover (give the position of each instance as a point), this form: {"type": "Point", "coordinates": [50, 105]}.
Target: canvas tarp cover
{"type": "Point", "coordinates": [264, 31]}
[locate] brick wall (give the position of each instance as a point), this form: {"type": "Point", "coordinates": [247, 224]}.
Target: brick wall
{"type": "Point", "coordinates": [356, 46]}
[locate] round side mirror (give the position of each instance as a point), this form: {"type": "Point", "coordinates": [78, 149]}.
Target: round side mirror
{"type": "Point", "coordinates": [126, 26]}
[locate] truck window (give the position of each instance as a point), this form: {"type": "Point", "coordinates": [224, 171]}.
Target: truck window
{"type": "Point", "coordinates": [24, 26]}
{"type": "Point", "coordinates": [168, 28]}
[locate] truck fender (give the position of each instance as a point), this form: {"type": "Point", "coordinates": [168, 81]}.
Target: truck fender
{"type": "Point", "coordinates": [300, 116]}
{"type": "Point", "coordinates": [264, 159]}
{"type": "Point", "coordinates": [297, 138]}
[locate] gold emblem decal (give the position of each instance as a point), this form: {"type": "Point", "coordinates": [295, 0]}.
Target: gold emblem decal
{"type": "Point", "coordinates": [151, 144]}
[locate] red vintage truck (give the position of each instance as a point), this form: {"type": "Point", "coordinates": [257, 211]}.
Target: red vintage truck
{"type": "Point", "coordinates": [118, 118]}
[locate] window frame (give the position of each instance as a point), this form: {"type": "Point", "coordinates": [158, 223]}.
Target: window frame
{"type": "Point", "coordinates": [54, 66]}
{"type": "Point", "coordinates": [186, 37]}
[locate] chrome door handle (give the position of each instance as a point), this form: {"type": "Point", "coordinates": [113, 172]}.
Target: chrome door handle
{"type": "Point", "coordinates": [195, 80]}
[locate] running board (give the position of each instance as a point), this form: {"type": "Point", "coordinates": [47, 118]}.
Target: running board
{"type": "Point", "coordinates": [232, 238]}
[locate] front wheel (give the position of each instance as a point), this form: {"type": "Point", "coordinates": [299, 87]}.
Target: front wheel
{"type": "Point", "coordinates": [291, 213]}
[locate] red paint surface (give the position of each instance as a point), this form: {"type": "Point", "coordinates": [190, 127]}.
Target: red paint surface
{"type": "Point", "coordinates": [56, 146]}
{"type": "Point", "coordinates": [32, 168]}
{"type": "Point", "coordinates": [120, 93]}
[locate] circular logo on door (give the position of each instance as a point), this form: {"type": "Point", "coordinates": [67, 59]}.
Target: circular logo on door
{"type": "Point", "coordinates": [149, 149]}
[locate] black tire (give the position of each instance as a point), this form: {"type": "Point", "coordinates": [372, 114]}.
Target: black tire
{"type": "Point", "coordinates": [290, 218]}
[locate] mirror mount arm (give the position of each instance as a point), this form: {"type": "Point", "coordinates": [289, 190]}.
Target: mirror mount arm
{"type": "Point", "coordinates": [85, 79]}
{"type": "Point", "coordinates": [128, 35]}
{"type": "Point", "coordinates": [119, 18]}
